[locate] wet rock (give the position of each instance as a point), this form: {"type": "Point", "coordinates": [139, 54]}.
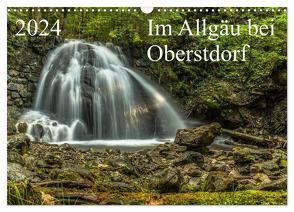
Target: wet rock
{"type": "Point", "coordinates": [38, 131]}
{"type": "Point", "coordinates": [198, 137]}
{"type": "Point", "coordinates": [19, 143]}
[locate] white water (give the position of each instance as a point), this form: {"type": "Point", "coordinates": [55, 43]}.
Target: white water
{"type": "Point", "coordinates": [111, 143]}
{"type": "Point", "coordinates": [88, 94]}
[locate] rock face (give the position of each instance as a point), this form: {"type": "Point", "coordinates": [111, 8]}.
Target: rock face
{"type": "Point", "coordinates": [198, 137]}
{"type": "Point", "coordinates": [23, 73]}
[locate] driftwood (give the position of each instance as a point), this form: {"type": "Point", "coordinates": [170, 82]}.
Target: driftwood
{"type": "Point", "coordinates": [255, 140]}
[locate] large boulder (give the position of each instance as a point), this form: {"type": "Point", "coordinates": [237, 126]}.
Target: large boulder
{"type": "Point", "coordinates": [198, 137]}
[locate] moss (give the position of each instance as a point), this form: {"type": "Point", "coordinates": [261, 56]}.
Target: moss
{"type": "Point", "coordinates": [249, 158]}
{"type": "Point", "coordinates": [283, 163]}
{"type": "Point", "coordinates": [250, 197]}
{"type": "Point", "coordinates": [211, 102]}
{"type": "Point", "coordinates": [28, 194]}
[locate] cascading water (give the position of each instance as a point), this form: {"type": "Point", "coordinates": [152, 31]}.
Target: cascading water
{"type": "Point", "coordinates": [87, 92]}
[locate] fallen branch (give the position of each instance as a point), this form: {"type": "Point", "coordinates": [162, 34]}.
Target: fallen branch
{"type": "Point", "coordinates": [251, 139]}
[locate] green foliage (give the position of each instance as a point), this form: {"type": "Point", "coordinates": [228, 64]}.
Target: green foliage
{"type": "Point", "coordinates": [22, 193]}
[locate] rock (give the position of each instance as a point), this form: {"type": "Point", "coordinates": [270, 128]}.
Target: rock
{"type": "Point", "coordinates": [25, 93]}
{"type": "Point", "coordinates": [267, 167]}
{"type": "Point", "coordinates": [17, 173]}
{"type": "Point", "coordinates": [261, 178]}
{"type": "Point", "coordinates": [280, 184]}
{"type": "Point", "coordinates": [52, 159]}
{"type": "Point", "coordinates": [122, 166]}
{"type": "Point", "coordinates": [198, 137]}
{"type": "Point", "coordinates": [13, 73]}
{"type": "Point", "coordinates": [190, 157]}
{"type": "Point", "coordinates": [167, 180]}
{"type": "Point", "coordinates": [49, 161]}
{"type": "Point", "coordinates": [278, 119]}
{"type": "Point", "coordinates": [247, 155]}
{"type": "Point", "coordinates": [193, 185]}
{"type": "Point", "coordinates": [74, 173]}
{"type": "Point", "coordinates": [19, 143]}
{"type": "Point", "coordinates": [219, 181]}
{"type": "Point", "coordinates": [191, 170]}
{"type": "Point", "coordinates": [22, 127]}
{"type": "Point", "coordinates": [246, 184]}
{"type": "Point", "coordinates": [15, 95]}
{"type": "Point", "coordinates": [13, 114]}
{"type": "Point", "coordinates": [12, 87]}
{"type": "Point", "coordinates": [38, 131]}
{"type": "Point", "coordinates": [231, 117]}
{"type": "Point", "coordinates": [15, 157]}
{"type": "Point", "coordinates": [215, 165]}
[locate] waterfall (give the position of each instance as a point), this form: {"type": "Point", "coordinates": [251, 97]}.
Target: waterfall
{"type": "Point", "coordinates": [88, 92]}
